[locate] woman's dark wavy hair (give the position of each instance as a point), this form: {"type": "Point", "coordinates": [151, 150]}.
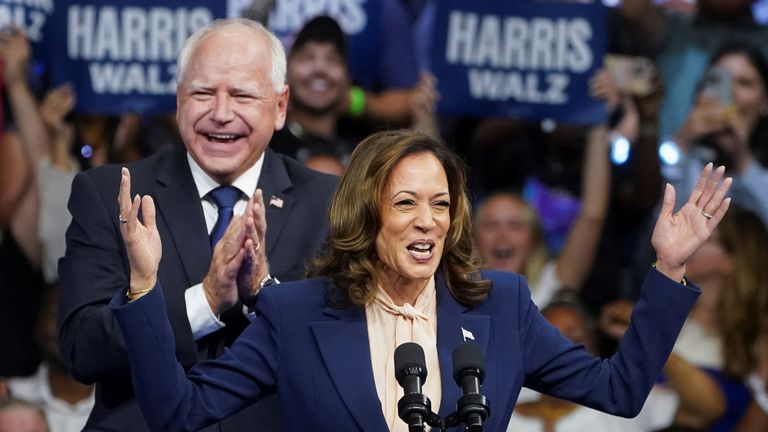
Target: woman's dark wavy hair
{"type": "Point", "coordinates": [350, 258]}
{"type": "Point", "coordinates": [758, 140]}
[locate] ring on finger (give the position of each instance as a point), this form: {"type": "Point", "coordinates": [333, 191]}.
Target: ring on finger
{"type": "Point", "coordinates": [256, 246]}
{"type": "Point", "coordinates": [706, 215]}
{"type": "Point", "coordinates": [121, 219]}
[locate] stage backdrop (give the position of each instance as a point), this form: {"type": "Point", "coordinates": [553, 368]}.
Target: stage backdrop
{"type": "Point", "coordinates": [523, 59]}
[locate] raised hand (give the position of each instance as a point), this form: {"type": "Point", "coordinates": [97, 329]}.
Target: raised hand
{"type": "Point", "coordinates": [142, 240]}
{"type": "Point", "coordinates": [15, 53]}
{"type": "Point", "coordinates": [678, 235]}
{"type": "Point", "coordinates": [255, 266]}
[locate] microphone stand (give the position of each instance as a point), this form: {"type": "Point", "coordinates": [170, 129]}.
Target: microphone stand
{"type": "Point", "coordinates": [469, 407]}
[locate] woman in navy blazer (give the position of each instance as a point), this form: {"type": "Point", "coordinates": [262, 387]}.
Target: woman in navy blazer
{"type": "Point", "coordinates": [400, 219]}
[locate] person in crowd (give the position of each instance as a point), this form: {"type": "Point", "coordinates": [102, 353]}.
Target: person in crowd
{"type": "Point", "coordinates": [23, 142]}
{"type": "Point", "coordinates": [399, 268]}
{"type": "Point", "coordinates": [318, 78]}
{"type": "Point", "coordinates": [730, 133]}
{"type": "Point", "coordinates": [719, 344]}
{"type": "Point", "coordinates": [756, 417]}
{"type": "Point", "coordinates": [509, 237]}
{"type": "Point", "coordinates": [65, 402]}
{"type": "Point", "coordinates": [382, 56]}
{"type": "Point", "coordinates": [16, 416]}
{"type": "Point", "coordinates": [213, 196]}
{"type": "Point", "coordinates": [682, 46]}
{"type": "Point", "coordinates": [557, 415]}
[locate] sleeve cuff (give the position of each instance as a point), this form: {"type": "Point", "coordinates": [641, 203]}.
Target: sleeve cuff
{"type": "Point", "coordinates": [201, 318]}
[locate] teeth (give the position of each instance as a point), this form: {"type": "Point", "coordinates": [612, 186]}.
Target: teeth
{"type": "Point", "coordinates": [222, 137]}
{"type": "Point", "coordinates": [422, 246]}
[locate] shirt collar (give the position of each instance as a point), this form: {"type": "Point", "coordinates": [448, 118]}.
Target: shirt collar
{"type": "Point", "coordinates": [246, 182]}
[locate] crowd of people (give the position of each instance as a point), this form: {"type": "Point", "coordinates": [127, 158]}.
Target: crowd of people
{"type": "Point", "coordinates": [190, 215]}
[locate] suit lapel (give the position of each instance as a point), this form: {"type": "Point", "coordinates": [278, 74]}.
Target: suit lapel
{"type": "Point", "coordinates": [178, 202]}
{"type": "Point", "coordinates": [343, 342]}
{"type": "Point", "coordinates": [274, 182]}
{"type": "Point", "coordinates": [454, 323]}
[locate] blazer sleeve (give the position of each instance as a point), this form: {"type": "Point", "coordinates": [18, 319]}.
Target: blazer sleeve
{"type": "Point", "coordinates": [172, 400]}
{"type": "Point", "coordinates": [618, 385]}
{"type": "Point", "coordinates": [91, 272]}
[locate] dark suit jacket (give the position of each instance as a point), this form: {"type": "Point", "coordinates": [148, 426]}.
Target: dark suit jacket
{"type": "Point", "coordinates": [318, 360]}
{"type": "Point", "coordinates": [95, 267]}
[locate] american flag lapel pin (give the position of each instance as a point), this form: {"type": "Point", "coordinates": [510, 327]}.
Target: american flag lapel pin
{"type": "Point", "coordinates": [275, 202]}
{"type": "Point", "coordinates": [466, 334]}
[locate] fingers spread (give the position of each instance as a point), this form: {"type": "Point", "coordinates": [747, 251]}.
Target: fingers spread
{"type": "Point", "coordinates": [710, 187]}
{"type": "Point", "coordinates": [668, 202]}
{"type": "Point", "coordinates": [700, 184]}
{"type": "Point", "coordinates": [719, 213]}
{"type": "Point", "coordinates": [148, 211]}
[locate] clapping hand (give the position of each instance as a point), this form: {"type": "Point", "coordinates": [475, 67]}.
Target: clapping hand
{"type": "Point", "coordinates": [678, 235]}
{"type": "Point", "coordinates": [239, 259]}
{"type": "Point", "coordinates": [255, 266]}
{"type": "Point", "coordinates": [141, 238]}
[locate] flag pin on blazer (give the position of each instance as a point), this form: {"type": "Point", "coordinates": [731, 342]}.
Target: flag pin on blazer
{"type": "Point", "coordinates": [466, 334]}
{"type": "Point", "coordinates": [275, 202]}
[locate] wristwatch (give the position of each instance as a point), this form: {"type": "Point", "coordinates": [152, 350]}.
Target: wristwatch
{"type": "Point", "coordinates": [250, 301]}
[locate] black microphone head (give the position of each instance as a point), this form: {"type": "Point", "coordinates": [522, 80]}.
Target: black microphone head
{"type": "Point", "coordinates": [468, 359]}
{"type": "Point", "coordinates": [409, 360]}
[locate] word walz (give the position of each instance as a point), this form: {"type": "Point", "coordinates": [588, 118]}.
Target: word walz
{"type": "Point", "coordinates": [539, 88]}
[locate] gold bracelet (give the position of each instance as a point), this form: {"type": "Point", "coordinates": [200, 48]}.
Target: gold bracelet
{"type": "Point", "coordinates": [129, 294]}
{"type": "Point", "coordinates": [683, 281]}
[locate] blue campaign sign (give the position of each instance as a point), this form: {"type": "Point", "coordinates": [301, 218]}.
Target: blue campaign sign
{"type": "Point", "coordinates": [523, 59]}
{"type": "Point", "coordinates": [358, 19]}
{"type": "Point", "coordinates": [28, 16]}
{"type": "Point", "coordinates": [120, 55]}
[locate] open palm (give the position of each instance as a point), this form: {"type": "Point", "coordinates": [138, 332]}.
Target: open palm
{"type": "Point", "coordinates": [678, 235]}
{"type": "Point", "coordinates": [141, 238]}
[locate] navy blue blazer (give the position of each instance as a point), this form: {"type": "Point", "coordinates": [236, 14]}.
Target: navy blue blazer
{"type": "Point", "coordinates": [317, 358]}
{"type": "Point", "coordinates": [95, 267]}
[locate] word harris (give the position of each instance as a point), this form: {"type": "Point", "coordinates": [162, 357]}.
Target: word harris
{"type": "Point", "coordinates": [526, 60]}
{"type": "Point", "coordinates": [131, 49]}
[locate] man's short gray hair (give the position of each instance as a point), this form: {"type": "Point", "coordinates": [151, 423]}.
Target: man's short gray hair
{"type": "Point", "coordinates": [276, 50]}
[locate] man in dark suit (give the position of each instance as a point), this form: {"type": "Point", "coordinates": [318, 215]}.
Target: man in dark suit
{"type": "Point", "coordinates": [231, 98]}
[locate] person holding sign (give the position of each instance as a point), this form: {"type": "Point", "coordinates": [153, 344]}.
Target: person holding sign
{"type": "Point", "coordinates": [212, 197]}
{"type": "Point", "coordinates": [399, 267]}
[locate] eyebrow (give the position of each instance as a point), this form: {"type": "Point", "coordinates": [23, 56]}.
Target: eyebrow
{"type": "Point", "coordinates": [409, 192]}
{"type": "Point", "coordinates": [200, 85]}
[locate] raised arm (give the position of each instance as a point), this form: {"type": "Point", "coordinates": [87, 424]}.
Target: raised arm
{"type": "Point", "coordinates": [575, 260]}
{"type": "Point", "coordinates": [621, 384]}
{"type": "Point", "coordinates": [15, 52]}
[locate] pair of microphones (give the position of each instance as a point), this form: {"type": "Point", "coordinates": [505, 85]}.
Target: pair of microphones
{"type": "Point", "coordinates": [415, 407]}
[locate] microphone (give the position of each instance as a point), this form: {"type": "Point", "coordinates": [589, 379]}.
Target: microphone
{"type": "Point", "coordinates": [468, 372]}
{"type": "Point", "coordinates": [411, 372]}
